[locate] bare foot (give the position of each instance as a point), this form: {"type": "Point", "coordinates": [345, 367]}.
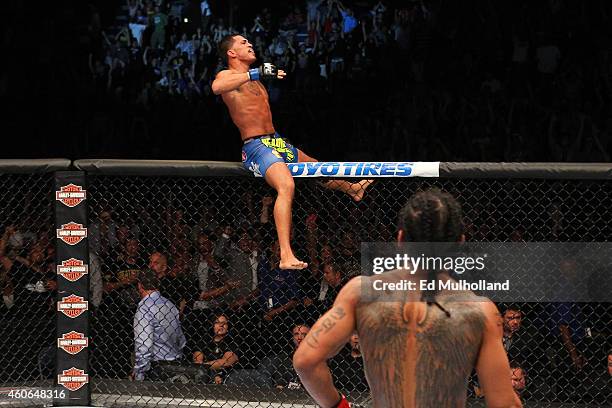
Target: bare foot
{"type": "Point", "coordinates": [292, 263]}
{"type": "Point", "coordinates": [358, 189]}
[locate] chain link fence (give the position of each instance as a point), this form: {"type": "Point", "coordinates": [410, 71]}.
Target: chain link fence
{"type": "Point", "coordinates": [27, 277]}
{"type": "Point", "coordinates": [237, 319]}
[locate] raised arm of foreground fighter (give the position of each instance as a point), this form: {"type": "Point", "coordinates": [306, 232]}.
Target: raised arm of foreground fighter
{"type": "Point", "coordinates": [328, 335]}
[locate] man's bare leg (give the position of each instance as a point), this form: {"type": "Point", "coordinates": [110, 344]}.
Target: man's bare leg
{"type": "Point", "coordinates": [355, 190]}
{"type": "Point", "coordinates": [279, 177]}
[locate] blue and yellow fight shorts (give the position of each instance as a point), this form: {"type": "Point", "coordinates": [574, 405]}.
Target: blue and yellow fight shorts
{"type": "Point", "coordinates": [259, 153]}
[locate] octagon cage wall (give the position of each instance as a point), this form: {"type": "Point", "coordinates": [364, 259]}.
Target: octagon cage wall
{"type": "Point", "coordinates": [209, 236]}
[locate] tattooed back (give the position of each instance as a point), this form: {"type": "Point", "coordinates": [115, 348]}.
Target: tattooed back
{"type": "Point", "coordinates": [415, 354]}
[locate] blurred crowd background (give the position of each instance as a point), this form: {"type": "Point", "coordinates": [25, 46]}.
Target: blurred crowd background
{"type": "Point", "coordinates": [390, 80]}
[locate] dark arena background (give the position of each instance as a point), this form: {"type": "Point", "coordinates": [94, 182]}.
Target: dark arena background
{"type": "Point", "coordinates": [117, 159]}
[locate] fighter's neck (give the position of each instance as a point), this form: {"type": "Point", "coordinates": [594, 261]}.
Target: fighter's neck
{"type": "Point", "coordinates": [240, 66]}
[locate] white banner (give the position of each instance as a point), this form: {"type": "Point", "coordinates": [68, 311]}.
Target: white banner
{"type": "Point", "coordinates": [365, 169]}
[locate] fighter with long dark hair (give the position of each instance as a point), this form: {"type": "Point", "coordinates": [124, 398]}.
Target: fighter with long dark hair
{"type": "Point", "coordinates": [419, 349]}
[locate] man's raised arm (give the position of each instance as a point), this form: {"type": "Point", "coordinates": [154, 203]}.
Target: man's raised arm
{"type": "Point", "coordinates": [227, 81]}
{"type": "Point", "coordinates": [329, 334]}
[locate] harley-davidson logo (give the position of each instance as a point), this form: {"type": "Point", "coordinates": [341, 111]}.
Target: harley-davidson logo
{"type": "Point", "coordinates": [73, 342]}
{"type": "Point", "coordinates": [72, 306]}
{"type": "Point", "coordinates": [71, 195]}
{"type": "Point", "coordinates": [72, 233]}
{"type": "Point", "coordinates": [72, 269]}
{"type": "Point", "coordinates": [73, 378]}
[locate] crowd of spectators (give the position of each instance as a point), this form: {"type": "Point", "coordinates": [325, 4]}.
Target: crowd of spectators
{"type": "Point", "coordinates": [214, 272]}
{"type": "Point", "coordinates": [212, 281]}
{"type": "Point", "coordinates": [417, 80]}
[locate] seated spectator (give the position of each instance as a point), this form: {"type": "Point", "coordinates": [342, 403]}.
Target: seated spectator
{"type": "Point", "coordinates": [119, 303]}
{"type": "Point", "coordinates": [179, 285]}
{"type": "Point", "coordinates": [103, 234]}
{"type": "Point", "coordinates": [280, 366]}
{"type": "Point", "coordinates": [158, 336]}
{"type": "Point", "coordinates": [214, 289]}
{"type": "Point", "coordinates": [215, 294]}
{"type": "Point", "coordinates": [212, 281]}
{"type": "Point", "coordinates": [347, 367]}
{"type": "Point", "coordinates": [217, 352]}
{"type": "Point", "coordinates": [333, 281]}
{"type": "Point", "coordinates": [159, 263]}
{"type": "Point", "coordinates": [27, 289]}
{"type": "Point", "coordinates": [513, 343]}
{"type": "Point", "coordinates": [516, 343]}
{"type": "Point", "coordinates": [241, 267]}
{"type": "Point", "coordinates": [518, 378]}
{"type": "Point", "coordinates": [123, 282]}
{"type": "Point", "coordinates": [276, 368]}
{"type": "Point", "coordinates": [28, 277]}
{"type": "Point", "coordinates": [331, 284]}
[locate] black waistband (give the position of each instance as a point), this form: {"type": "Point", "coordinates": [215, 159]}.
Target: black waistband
{"type": "Point", "coordinates": [248, 139]}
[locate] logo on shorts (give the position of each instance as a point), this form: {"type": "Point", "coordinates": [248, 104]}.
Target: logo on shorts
{"type": "Point", "coordinates": [73, 378]}
{"type": "Point", "coordinates": [73, 342]}
{"type": "Point", "coordinates": [72, 306]}
{"type": "Point", "coordinates": [72, 269]}
{"type": "Point", "coordinates": [244, 156]}
{"type": "Point", "coordinates": [72, 233]}
{"type": "Point", "coordinates": [254, 167]}
{"type": "Point", "coordinates": [71, 195]}
{"type": "Point", "coordinates": [277, 154]}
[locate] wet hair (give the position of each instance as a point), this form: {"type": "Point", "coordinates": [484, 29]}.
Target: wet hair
{"type": "Point", "coordinates": [225, 45]}
{"type": "Point", "coordinates": [432, 215]}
